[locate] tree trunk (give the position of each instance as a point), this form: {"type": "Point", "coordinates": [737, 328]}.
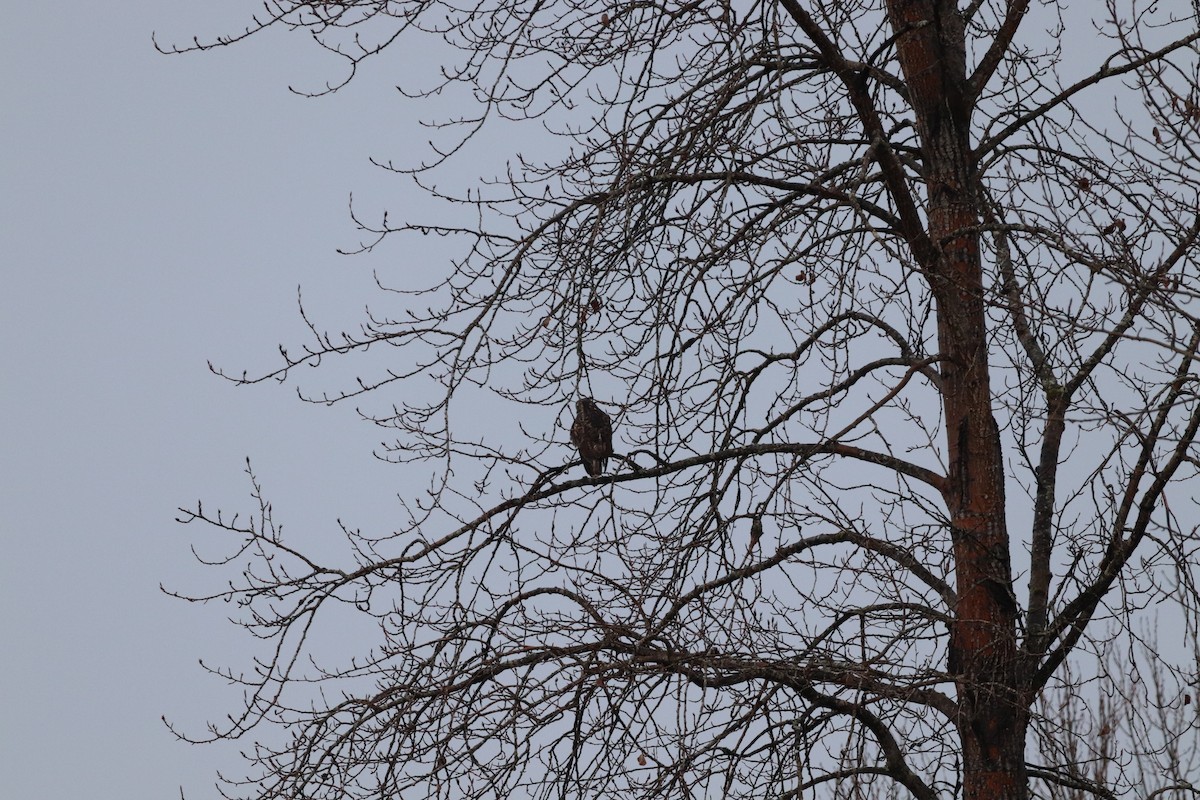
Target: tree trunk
{"type": "Point", "coordinates": [983, 646]}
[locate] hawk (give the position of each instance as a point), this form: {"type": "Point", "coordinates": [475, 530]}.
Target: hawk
{"type": "Point", "coordinates": [591, 432]}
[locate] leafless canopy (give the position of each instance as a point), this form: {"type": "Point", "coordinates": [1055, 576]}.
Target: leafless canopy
{"type": "Point", "coordinates": [895, 305]}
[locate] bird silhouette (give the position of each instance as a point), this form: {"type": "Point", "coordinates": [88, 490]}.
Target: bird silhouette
{"type": "Point", "coordinates": [591, 432]}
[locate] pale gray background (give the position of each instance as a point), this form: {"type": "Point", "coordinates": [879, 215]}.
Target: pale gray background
{"type": "Point", "coordinates": [158, 212]}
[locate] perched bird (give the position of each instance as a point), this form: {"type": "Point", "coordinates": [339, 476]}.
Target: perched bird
{"type": "Point", "coordinates": [591, 432]}
{"type": "Point", "coordinates": [756, 532]}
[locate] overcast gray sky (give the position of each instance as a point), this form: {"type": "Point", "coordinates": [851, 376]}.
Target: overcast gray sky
{"type": "Point", "coordinates": [159, 212]}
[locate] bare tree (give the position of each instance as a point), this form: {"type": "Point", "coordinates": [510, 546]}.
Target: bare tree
{"type": "Point", "coordinates": [891, 303]}
{"type": "Point", "coordinates": [1123, 725]}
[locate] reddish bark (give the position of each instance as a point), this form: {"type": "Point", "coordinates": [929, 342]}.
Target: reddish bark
{"type": "Point", "coordinates": [983, 647]}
